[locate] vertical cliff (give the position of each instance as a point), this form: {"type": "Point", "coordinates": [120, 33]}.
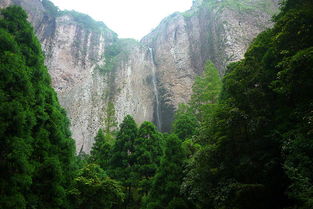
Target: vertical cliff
{"type": "Point", "coordinates": [216, 30]}
{"type": "Point", "coordinates": [148, 79]}
{"type": "Point", "coordinates": [74, 45]}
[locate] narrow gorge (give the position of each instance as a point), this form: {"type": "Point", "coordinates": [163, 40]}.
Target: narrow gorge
{"type": "Point", "coordinates": [90, 66]}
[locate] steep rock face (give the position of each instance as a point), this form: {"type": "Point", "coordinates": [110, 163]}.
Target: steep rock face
{"type": "Point", "coordinates": [133, 83]}
{"type": "Point", "coordinates": [73, 49]}
{"type": "Point", "coordinates": [72, 54]}
{"type": "Point", "coordinates": [152, 77]}
{"type": "Point", "coordinates": [212, 30]}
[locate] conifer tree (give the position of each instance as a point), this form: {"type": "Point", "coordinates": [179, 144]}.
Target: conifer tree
{"type": "Point", "coordinates": [121, 161]}
{"type": "Point", "coordinates": [206, 90]}
{"type": "Point", "coordinates": [165, 192]}
{"type": "Point", "coordinates": [16, 121]}
{"type": "Point", "coordinates": [185, 122]}
{"type": "Point", "coordinates": [110, 119]}
{"type": "Point", "coordinates": [147, 152]}
{"type": "Point", "coordinates": [100, 152]}
{"type": "Point", "coordinates": [36, 149]}
{"type": "Point", "coordinates": [204, 100]}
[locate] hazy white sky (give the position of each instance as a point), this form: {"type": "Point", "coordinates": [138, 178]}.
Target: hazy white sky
{"type": "Point", "coordinates": [128, 18]}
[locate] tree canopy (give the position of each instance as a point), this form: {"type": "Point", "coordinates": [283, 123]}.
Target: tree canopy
{"type": "Point", "coordinates": [36, 149]}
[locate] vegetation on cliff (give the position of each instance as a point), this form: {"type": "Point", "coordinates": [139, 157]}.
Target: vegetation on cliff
{"type": "Point", "coordinates": [244, 6]}
{"type": "Point", "coordinates": [119, 50]}
{"type": "Point", "coordinates": [83, 20]}
{"type": "Point", "coordinates": [267, 6]}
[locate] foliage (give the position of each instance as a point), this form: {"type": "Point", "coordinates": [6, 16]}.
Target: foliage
{"type": "Point", "coordinates": [123, 148]}
{"type": "Point", "coordinates": [81, 160]}
{"type": "Point", "coordinates": [185, 122]}
{"type": "Point", "coordinates": [110, 122]}
{"type": "Point", "coordinates": [100, 152]}
{"type": "Point", "coordinates": [110, 57]}
{"type": "Point", "coordinates": [258, 140]}
{"type": "Point", "coordinates": [166, 183]}
{"type": "Point", "coordinates": [121, 161]}
{"type": "Point", "coordinates": [146, 155]}
{"type": "Point", "coordinates": [51, 9]}
{"type": "Point", "coordinates": [243, 5]}
{"type": "Point", "coordinates": [205, 92]}
{"type": "Point", "coordinates": [37, 152]}
{"type": "Point", "coordinates": [93, 189]}
{"type": "Point", "coordinates": [82, 19]}
{"type": "Point", "coordinates": [86, 21]}
{"type": "Point", "coordinates": [118, 50]}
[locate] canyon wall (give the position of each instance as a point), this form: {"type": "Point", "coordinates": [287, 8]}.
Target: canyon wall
{"type": "Point", "coordinates": [148, 79]}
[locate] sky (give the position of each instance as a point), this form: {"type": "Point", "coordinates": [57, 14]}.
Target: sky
{"type": "Point", "coordinates": [128, 18]}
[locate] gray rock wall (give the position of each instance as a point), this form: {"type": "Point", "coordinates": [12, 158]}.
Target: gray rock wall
{"type": "Point", "coordinates": [169, 58]}
{"type": "Point", "coordinates": [72, 52]}
{"type": "Point", "coordinates": [184, 42]}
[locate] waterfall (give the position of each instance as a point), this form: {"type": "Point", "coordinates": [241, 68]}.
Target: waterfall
{"type": "Point", "coordinates": [156, 92]}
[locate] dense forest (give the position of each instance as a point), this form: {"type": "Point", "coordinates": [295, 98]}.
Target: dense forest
{"type": "Point", "coordinates": [242, 142]}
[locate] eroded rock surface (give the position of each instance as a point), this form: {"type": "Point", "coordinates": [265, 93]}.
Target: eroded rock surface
{"type": "Point", "coordinates": [162, 67]}
{"type": "Point", "coordinates": [212, 30]}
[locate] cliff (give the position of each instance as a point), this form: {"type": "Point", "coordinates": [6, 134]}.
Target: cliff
{"type": "Point", "coordinates": [218, 30]}
{"type": "Point", "coordinates": [74, 45]}
{"type": "Point", "coordinates": [148, 79]}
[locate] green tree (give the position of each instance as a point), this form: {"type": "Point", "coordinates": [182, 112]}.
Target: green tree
{"type": "Point", "coordinates": [206, 90]}
{"type": "Point", "coordinates": [121, 161]}
{"type": "Point", "coordinates": [100, 152]}
{"type": "Point", "coordinates": [258, 150]}
{"type": "Point", "coordinates": [147, 152]}
{"type": "Point", "coordinates": [204, 101]}
{"type": "Point", "coordinates": [93, 189]}
{"type": "Point", "coordinates": [185, 122]}
{"type": "Point", "coordinates": [165, 191]}
{"type": "Point", "coordinates": [37, 152]}
{"type": "Point", "coordinates": [293, 83]}
{"type": "Point", "coordinates": [110, 122]}
{"type": "Point", "coordinates": [16, 121]}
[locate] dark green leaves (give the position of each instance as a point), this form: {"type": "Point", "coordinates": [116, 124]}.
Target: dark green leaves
{"type": "Point", "coordinates": [36, 148]}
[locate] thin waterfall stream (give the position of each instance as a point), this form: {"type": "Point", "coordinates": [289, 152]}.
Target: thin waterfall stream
{"type": "Point", "coordinates": [155, 90]}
